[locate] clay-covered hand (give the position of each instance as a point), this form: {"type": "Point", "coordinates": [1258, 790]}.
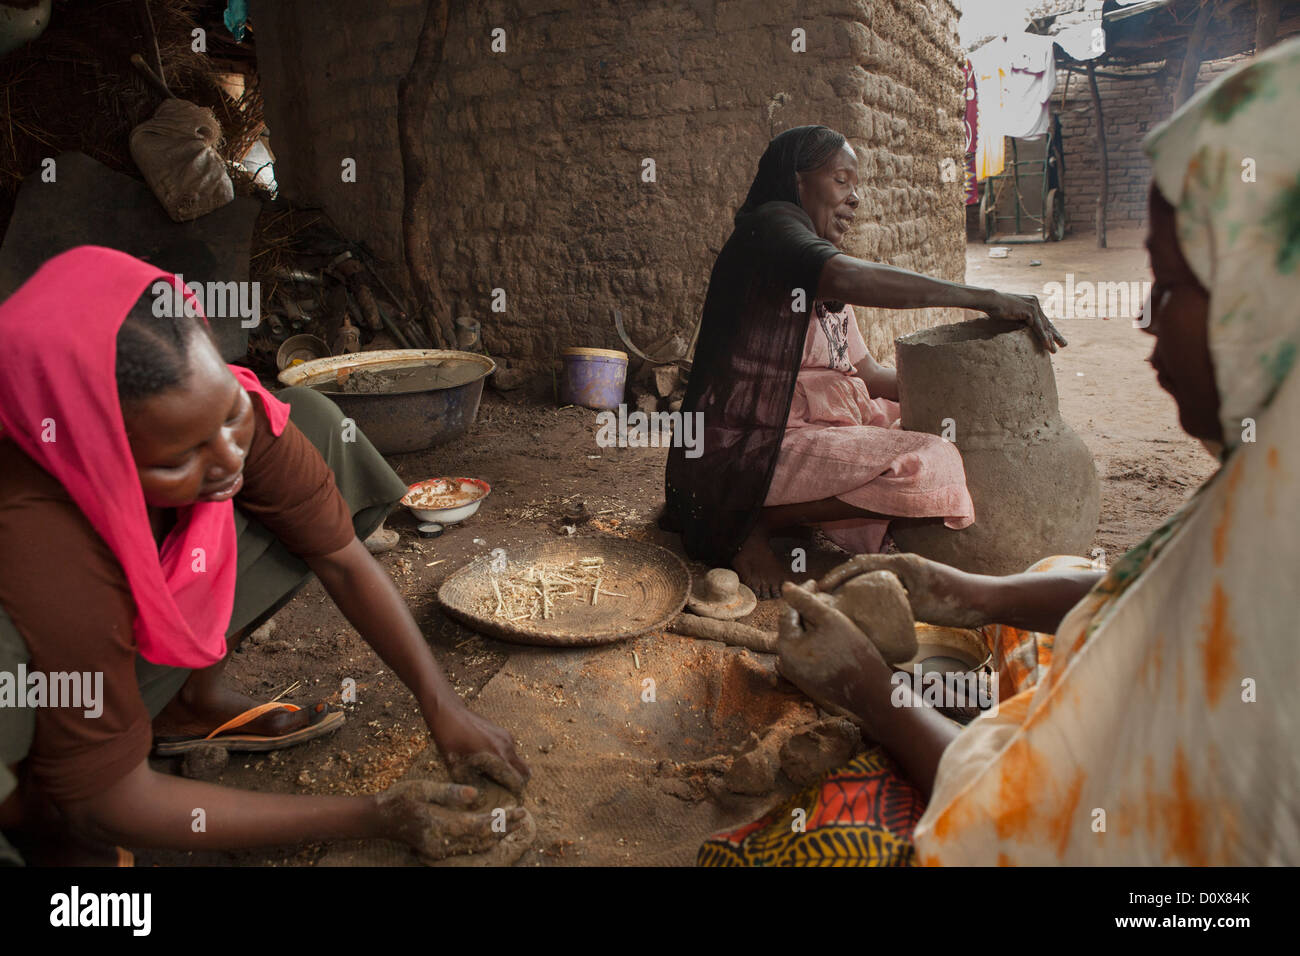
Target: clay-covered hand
{"type": "Point", "coordinates": [436, 821]}
{"type": "Point", "coordinates": [472, 745]}
{"type": "Point", "coordinates": [1026, 310]}
{"type": "Point", "coordinates": [825, 654]}
{"type": "Point", "coordinates": [938, 593]}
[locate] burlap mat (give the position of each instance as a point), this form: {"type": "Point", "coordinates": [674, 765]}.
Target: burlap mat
{"type": "Point", "coordinates": [618, 778]}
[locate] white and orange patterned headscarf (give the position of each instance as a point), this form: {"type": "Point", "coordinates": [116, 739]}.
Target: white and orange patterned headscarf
{"type": "Point", "coordinates": [1165, 728]}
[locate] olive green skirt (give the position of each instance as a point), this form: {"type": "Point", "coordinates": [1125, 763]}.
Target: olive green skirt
{"type": "Point", "coordinates": [268, 575]}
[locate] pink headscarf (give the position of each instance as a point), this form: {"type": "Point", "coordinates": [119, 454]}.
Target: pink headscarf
{"type": "Point", "coordinates": [58, 401]}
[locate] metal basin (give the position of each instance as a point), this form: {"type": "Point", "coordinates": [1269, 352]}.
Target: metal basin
{"type": "Point", "coordinates": [406, 420]}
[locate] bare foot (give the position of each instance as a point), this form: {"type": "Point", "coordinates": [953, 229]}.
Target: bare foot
{"type": "Point", "coordinates": [758, 566]}
{"type": "Point", "coordinates": [192, 712]}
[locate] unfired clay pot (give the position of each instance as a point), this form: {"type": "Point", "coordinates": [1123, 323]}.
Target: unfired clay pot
{"type": "Point", "coordinates": [1031, 477]}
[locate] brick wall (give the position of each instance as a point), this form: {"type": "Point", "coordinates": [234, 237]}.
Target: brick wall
{"type": "Point", "coordinates": [540, 149]}
{"type": "Point", "coordinates": [1131, 108]}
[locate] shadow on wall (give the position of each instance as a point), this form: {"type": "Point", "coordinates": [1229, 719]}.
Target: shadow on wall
{"type": "Point", "coordinates": [591, 156]}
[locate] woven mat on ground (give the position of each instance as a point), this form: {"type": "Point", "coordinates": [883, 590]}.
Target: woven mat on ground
{"type": "Point", "coordinates": [617, 778]}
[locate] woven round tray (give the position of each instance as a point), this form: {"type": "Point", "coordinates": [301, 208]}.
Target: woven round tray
{"type": "Point", "coordinates": [655, 582]}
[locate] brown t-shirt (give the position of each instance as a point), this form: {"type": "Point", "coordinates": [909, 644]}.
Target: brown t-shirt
{"type": "Point", "coordinates": [66, 593]}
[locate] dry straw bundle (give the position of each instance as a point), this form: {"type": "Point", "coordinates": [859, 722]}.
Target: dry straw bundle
{"type": "Point", "coordinates": [527, 592]}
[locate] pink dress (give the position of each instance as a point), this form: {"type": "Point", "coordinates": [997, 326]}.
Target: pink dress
{"type": "Point", "coordinates": [840, 442]}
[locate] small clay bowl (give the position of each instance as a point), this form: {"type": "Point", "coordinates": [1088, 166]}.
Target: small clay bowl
{"type": "Point", "coordinates": [458, 498]}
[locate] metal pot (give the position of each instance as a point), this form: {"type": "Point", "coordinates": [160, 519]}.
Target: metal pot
{"type": "Point", "coordinates": [402, 421]}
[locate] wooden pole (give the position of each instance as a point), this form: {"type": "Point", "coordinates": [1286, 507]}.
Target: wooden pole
{"type": "Point", "coordinates": [1192, 59]}
{"type": "Point", "coordinates": [1103, 197]}
{"type": "Point", "coordinates": [157, 53]}
{"type": "Point", "coordinates": [414, 105]}
{"type": "Point", "coordinates": [1267, 15]}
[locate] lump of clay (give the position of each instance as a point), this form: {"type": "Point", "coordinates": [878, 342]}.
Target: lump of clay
{"type": "Point", "coordinates": [205, 762]}
{"type": "Point", "coordinates": [824, 746]}
{"type": "Point", "coordinates": [877, 603]}
{"type": "Point", "coordinates": [754, 771]}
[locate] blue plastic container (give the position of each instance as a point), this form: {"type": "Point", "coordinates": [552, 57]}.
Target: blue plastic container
{"type": "Point", "coordinates": [594, 378]}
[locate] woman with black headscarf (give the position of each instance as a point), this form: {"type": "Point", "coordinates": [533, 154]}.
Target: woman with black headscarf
{"type": "Point", "coordinates": [777, 317]}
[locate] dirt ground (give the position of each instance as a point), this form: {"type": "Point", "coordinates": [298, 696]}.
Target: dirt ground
{"type": "Point", "coordinates": [538, 458]}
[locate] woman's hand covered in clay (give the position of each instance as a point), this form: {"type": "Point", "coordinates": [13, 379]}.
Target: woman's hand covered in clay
{"type": "Point", "coordinates": [472, 744]}
{"type": "Point", "coordinates": [436, 819]}
{"type": "Point", "coordinates": [823, 653]}
{"type": "Point", "coordinates": [938, 593]}
{"type": "Point", "coordinates": [1026, 310]}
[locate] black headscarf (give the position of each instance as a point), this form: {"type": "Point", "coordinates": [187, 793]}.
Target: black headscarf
{"type": "Point", "coordinates": [749, 351]}
{"type": "Point", "coordinates": [797, 150]}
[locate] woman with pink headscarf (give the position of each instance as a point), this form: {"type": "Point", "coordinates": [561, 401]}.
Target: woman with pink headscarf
{"type": "Point", "coordinates": [157, 504]}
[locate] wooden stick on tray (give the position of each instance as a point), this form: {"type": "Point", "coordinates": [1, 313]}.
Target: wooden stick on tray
{"type": "Point", "coordinates": [537, 588]}
{"type": "Point", "coordinates": [500, 601]}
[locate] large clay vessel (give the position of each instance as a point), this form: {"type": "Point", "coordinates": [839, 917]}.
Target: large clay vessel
{"type": "Point", "coordinates": [988, 385]}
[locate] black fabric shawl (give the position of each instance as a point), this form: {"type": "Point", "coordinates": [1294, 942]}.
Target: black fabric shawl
{"type": "Point", "coordinates": [746, 361]}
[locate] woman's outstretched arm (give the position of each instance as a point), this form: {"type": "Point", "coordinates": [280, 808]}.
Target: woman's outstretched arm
{"type": "Point", "coordinates": [150, 809]}
{"type": "Point", "coordinates": [369, 599]}
{"type": "Point", "coordinates": [944, 595]}
{"type": "Point", "coordinates": [874, 285]}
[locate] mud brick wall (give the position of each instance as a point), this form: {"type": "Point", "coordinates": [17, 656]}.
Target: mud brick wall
{"type": "Point", "coordinates": [540, 148]}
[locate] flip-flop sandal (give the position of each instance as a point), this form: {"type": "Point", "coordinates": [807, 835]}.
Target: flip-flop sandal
{"type": "Point", "coordinates": [322, 720]}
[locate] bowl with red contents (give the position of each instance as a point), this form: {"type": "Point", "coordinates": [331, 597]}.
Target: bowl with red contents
{"type": "Point", "coordinates": [445, 500]}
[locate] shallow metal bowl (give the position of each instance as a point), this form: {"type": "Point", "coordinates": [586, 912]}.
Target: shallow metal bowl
{"type": "Point", "coordinates": [397, 422]}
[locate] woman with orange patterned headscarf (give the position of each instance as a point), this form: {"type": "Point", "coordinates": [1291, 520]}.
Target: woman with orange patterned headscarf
{"type": "Point", "coordinates": [1157, 727]}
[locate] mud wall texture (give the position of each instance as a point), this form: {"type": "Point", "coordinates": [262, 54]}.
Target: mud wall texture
{"type": "Point", "coordinates": [541, 148]}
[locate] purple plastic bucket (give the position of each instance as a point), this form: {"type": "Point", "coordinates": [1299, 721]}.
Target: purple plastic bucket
{"type": "Point", "coordinates": [594, 378]}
